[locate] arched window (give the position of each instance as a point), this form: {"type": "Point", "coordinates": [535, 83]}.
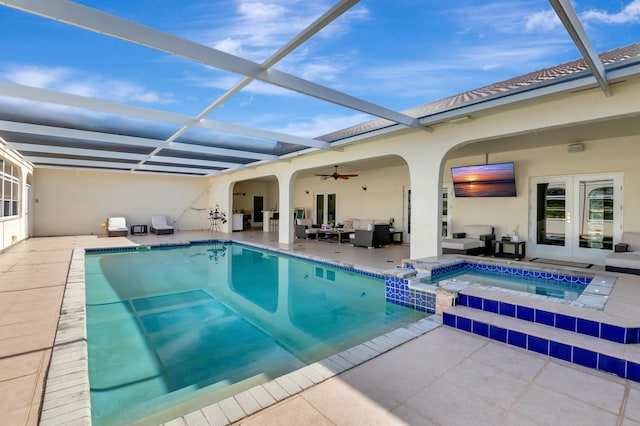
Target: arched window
{"type": "Point", "coordinates": [601, 204]}
{"type": "Point", "coordinates": [10, 188]}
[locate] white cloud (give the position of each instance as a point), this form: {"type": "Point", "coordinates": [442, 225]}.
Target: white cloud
{"type": "Point", "coordinates": [630, 13]}
{"type": "Point", "coordinates": [82, 83]}
{"type": "Point", "coordinates": [34, 76]}
{"type": "Point", "coordinates": [256, 11]}
{"type": "Point", "coordinates": [542, 21]}
{"type": "Point", "coordinates": [256, 29]}
{"type": "Point", "coordinates": [227, 82]}
{"type": "Point", "coordinates": [319, 71]}
{"type": "Point", "coordinates": [229, 45]}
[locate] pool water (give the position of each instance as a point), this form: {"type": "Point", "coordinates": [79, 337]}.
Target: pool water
{"type": "Point", "coordinates": [553, 288]}
{"type": "Point", "coordinates": [178, 329]}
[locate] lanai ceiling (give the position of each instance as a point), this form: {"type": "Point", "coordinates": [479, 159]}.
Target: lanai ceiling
{"type": "Point", "coordinates": [73, 129]}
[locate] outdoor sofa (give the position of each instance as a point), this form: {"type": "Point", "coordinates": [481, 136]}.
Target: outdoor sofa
{"type": "Point", "coordinates": [626, 255]}
{"type": "Point", "coordinates": [368, 232]}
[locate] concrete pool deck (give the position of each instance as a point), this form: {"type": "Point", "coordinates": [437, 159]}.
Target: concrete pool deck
{"type": "Point", "coordinates": [442, 377]}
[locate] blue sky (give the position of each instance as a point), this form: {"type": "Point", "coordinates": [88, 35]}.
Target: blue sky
{"type": "Point", "coordinates": [399, 53]}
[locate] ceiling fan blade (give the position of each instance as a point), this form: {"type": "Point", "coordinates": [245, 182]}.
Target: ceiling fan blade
{"type": "Point", "coordinates": [349, 174]}
{"type": "Point", "coordinates": [345, 177]}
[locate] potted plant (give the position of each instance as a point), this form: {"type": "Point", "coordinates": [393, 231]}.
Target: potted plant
{"type": "Point", "coordinates": [217, 214]}
{"type": "Point", "coordinates": [516, 234]}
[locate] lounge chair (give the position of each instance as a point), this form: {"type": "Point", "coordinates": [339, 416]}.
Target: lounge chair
{"type": "Point", "coordinates": [626, 255]}
{"type": "Point", "coordinates": [475, 240]}
{"type": "Point", "coordinates": [117, 227]}
{"type": "Point", "coordinates": [160, 226]}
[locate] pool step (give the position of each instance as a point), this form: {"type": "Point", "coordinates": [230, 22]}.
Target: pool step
{"type": "Point", "coordinates": [559, 321]}
{"type": "Point", "coordinates": [588, 351]}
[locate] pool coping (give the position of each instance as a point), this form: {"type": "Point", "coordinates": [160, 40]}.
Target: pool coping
{"type": "Point", "coordinates": [67, 391]}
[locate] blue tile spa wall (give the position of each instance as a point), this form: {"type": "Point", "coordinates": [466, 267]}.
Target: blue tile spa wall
{"type": "Point", "coordinates": [575, 354]}
{"type": "Point", "coordinates": [601, 330]}
{"type": "Point", "coordinates": [570, 281]}
{"type": "Point", "coordinates": [397, 291]}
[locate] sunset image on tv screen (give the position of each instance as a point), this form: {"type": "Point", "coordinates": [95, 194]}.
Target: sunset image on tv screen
{"type": "Point", "coordinates": [489, 180]}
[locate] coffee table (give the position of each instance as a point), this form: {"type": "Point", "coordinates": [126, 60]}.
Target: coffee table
{"type": "Point", "coordinates": [331, 235]}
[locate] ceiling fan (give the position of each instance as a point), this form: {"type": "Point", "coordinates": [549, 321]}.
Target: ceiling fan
{"type": "Point", "coordinates": [335, 175]}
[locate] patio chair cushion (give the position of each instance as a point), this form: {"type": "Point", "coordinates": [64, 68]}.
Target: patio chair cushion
{"type": "Point", "coordinates": [627, 261]}
{"type": "Point", "coordinates": [117, 227]}
{"type": "Point", "coordinates": [160, 226]}
{"type": "Point", "coordinates": [476, 240]}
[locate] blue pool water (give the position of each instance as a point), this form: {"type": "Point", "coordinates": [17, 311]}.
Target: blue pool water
{"type": "Point", "coordinates": [172, 330]}
{"type": "Point", "coordinates": [566, 287]}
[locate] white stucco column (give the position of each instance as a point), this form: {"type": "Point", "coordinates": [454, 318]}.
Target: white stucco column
{"type": "Point", "coordinates": [285, 201]}
{"type": "Point", "coordinates": [426, 184]}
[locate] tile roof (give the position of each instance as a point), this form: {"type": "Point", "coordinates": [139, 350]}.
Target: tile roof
{"type": "Point", "coordinates": [528, 81]}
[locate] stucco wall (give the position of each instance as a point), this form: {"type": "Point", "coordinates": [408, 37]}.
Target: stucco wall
{"type": "Point", "coordinates": [382, 199]}
{"type": "Point", "coordinates": [76, 202]}
{"type": "Point", "coordinates": [69, 202]}
{"type": "Point", "coordinates": [610, 155]}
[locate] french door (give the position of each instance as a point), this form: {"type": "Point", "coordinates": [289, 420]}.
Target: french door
{"type": "Point", "coordinates": [575, 217]}
{"type": "Point", "coordinates": [406, 214]}
{"type": "Point", "coordinates": [325, 208]}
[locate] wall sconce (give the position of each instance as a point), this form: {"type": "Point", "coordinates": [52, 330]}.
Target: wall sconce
{"type": "Point", "coordinates": [306, 191]}
{"type": "Point", "coordinates": [364, 188]}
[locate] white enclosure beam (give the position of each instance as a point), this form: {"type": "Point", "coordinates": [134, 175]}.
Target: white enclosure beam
{"type": "Point", "coordinates": [75, 101]}
{"type": "Point", "coordinates": [572, 24]}
{"type": "Point", "coordinates": [53, 97]}
{"type": "Point", "coordinates": [73, 162]}
{"type": "Point", "coordinates": [80, 152]}
{"type": "Point", "coordinates": [104, 23]}
{"type": "Point", "coordinates": [175, 169]}
{"type": "Point", "coordinates": [320, 23]}
{"type": "Point", "coordinates": [86, 135]}
{"type": "Point", "coordinates": [95, 153]}
{"type": "Point", "coordinates": [105, 165]}
{"type": "Point", "coordinates": [195, 162]}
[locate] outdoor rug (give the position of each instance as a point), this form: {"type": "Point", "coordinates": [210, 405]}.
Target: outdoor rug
{"type": "Point", "coordinates": [561, 262]}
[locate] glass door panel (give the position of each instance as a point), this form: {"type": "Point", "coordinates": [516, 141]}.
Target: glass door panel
{"type": "Point", "coordinates": [445, 211]}
{"type": "Point", "coordinates": [551, 217]}
{"type": "Point", "coordinates": [320, 218]}
{"type": "Point", "coordinates": [325, 208]}
{"type": "Point", "coordinates": [597, 214]}
{"type": "Point", "coordinates": [551, 213]}
{"type": "Point", "coordinates": [331, 209]}
{"type": "Point", "coordinates": [575, 217]}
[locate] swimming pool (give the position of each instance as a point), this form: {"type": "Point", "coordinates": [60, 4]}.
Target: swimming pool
{"type": "Point", "coordinates": [185, 327]}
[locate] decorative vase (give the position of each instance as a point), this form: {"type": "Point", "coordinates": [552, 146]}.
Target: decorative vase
{"type": "Point", "coordinates": [515, 238]}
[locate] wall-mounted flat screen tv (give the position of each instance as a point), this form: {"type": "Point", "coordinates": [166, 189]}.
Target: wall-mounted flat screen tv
{"type": "Point", "coordinates": [487, 180]}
